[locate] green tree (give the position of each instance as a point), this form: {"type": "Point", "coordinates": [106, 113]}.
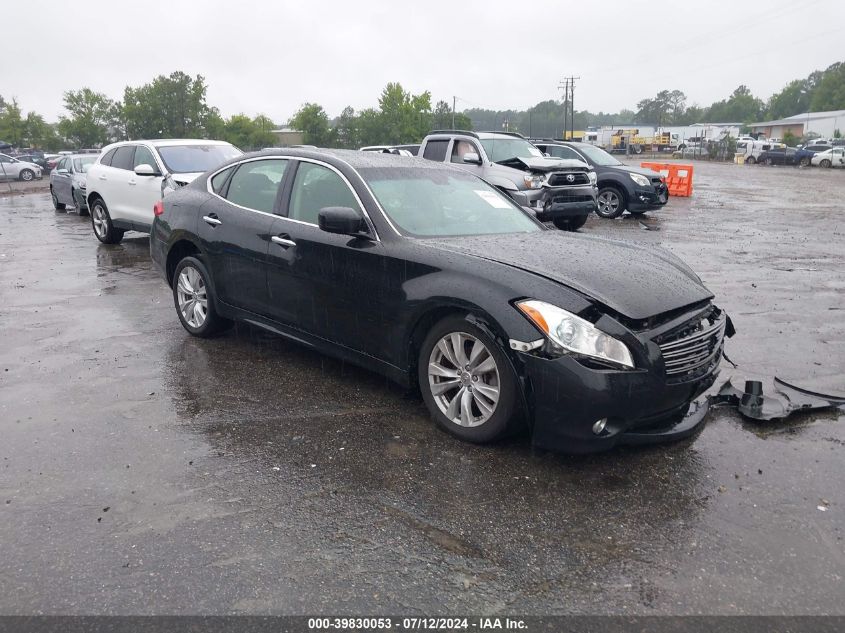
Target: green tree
{"type": "Point", "coordinates": [405, 118]}
{"type": "Point", "coordinates": [830, 92]}
{"type": "Point", "coordinates": [169, 106]}
{"type": "Point", "coordinates": [262, 135]}
{"type": "Point", "coordinates": [442, 118]}
{"type": "Point", "coordinates": [793, 99]}
{"type": "Point", "coordinates": [370, 131]}
{"type": "Point", "coordinates": [313, 122]}
{"type": "Point", "coordinates": [12, 124]}
{"type": "Point", "coordinates": [347, 132]}
{"type": "Point", "coordinates": [741, 107]}
{"type": "Point", "coordinates": [40, 134]}
{"type": "Point", "coordinates": [92, 118]}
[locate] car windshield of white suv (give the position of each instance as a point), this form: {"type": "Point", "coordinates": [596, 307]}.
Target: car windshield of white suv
{"type": "Point", "coordinates": [81, 165]}
{"type": "Point", "coordinates": [186, 159]}
{"type": "Point", "coordinates": [598, 156]}
{"type": "Point", "coordinates": [499, 149]}
{"type": "Point", "coordinates": [443, 203]}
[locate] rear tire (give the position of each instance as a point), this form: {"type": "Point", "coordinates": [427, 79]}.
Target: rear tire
{"type": "Point", "coordinates": [610, 203]}
{"type": "Point", "coordinates": [58, 206]}
{"type": "Point", "coordinates": [102, 224]}
{"type": "Point", "coordinates": [193, 296]}
{"type": "Point", "coordinates": [805, 162]}
{"type": "Point", "coordinates": [467, 382]}
{"type": "Point", "coordinates": [750, 160]}
{"type": "Point", "coordinates": [570, 224]}
{"type": "Point", "coordinates": [825, 163]}
{"type": "Point", "coordinates": [770, 162]}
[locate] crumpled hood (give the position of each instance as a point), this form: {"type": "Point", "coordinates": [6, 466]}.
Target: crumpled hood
{"type": "Point", "coordinates": [544, 163]}
{"type": "Point", "coordinates": [636, 281]}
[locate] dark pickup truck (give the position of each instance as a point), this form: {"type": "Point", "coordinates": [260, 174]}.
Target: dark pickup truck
{"type": "Point", "coordinates": [559, 191]}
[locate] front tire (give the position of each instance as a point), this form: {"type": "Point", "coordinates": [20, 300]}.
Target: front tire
{"type": "Point", "coordinates": [805, 162]}
{"type": "Point", "coordinates": [58, 206]}
{"type": "Point", "coordinates": [825, 163]}
{"type": "Point", "coordinates": [610, 203]}
{"type": "Point", "coordinates": [102, 224]}
{"type": "Point", "coordinates": [466, 381]}
{"type": "Point", "coordinates": [570, 224]}
{"type": "Point", "coordinates": [193, 296]}
{"type": "Point", "coordinates": [26, 175]}
{"type": "Point", "coordinates": [770, 162]}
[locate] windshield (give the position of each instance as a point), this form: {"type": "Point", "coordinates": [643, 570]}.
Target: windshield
{"type": "Point", "coordinates": [597, 155]}
{"type": "Point", "coordinates": [185, 159]}
{"type": "Point", "coordinates": [499, 149]}
{"type": "Point", "coordinates": [443, 202]}
{"type": "Point", "coordinates": [83, 164]}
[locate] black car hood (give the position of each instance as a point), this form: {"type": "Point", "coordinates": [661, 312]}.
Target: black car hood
{"type": "Point", "coordinates": [634, 170]}
{"type": "Point", "coordinates": [635, 281]}
{"type": "Point", "coordinates": [544, 163]}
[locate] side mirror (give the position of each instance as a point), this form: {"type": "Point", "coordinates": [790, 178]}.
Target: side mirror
{"type": "Point", "coordinates": [62, 172]}
{"type": "Point", "coordinates": [472, 158]}
{"type": "Point", "coordinates": [146, 170]}
{"type": "Point", "coordinates": [341, 220]}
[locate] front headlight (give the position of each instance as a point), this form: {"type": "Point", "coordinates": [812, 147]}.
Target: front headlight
{"type": "Point", "coordinates": [593, 178]}
{"type": "Point", "coordinates": [641, 180]}
{"type": "Point", "coordinates": [574, 333]}
{"type": "Point", "coordinates": [534, 181]}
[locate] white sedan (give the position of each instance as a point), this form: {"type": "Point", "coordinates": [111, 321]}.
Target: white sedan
{"type": "Point", "coordinates": [14, 169]}
{"type": "Point", "coordinates": [834, 157]}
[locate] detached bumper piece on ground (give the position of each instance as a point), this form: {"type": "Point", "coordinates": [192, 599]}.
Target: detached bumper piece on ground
{"type": "Point", "coordinates": [786, 399]}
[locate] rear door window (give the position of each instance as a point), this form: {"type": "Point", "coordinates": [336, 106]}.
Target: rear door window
{"type": "Point", "coordinates": [256, 184]}
{"type": "Point", "coordinates": [123, 157]}
{"type": "Point", "coordinates": [436, 150]}
{"type": "Point", "coordinates": [219, 180]}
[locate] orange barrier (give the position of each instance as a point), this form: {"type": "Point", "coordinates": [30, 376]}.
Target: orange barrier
{"type": "Point", "coordinates": [678, 177]}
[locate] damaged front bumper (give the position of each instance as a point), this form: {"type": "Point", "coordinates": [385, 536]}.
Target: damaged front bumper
{"type": "Point", "coordinates": [563, 202]}
{"type": "Point", "coordinates": [649, 198]}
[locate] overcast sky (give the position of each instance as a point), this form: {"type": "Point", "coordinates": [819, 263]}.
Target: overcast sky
{"type": "Point", "coordinates": [270, 57]}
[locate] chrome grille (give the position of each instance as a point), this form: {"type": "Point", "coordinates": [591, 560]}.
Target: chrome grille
{"type": "Point", "coordinates": [561, 179]}
{"type": "Point", "coordinates": [695, 347]}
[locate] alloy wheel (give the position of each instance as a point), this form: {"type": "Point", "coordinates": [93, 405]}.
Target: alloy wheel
{"type": "Point", "coordinates": [608, 202]}
{"type": "Point", "coordinates": [27, 175]}
{"type": "Point", "coordinates": [101, 223]}
{"type": "Point", "coordinates": [192, 296]}
{"type": "Point", "coordinates": [464, 379]}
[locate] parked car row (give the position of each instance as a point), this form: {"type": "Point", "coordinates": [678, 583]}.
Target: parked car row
{"type": "Point", "coordinates": [561, 181]}
{"type": "Point", "coordinates": [820, 154]}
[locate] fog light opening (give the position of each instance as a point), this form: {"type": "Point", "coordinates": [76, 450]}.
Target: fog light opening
{"type": "Point", "coordinates": [598, 427]}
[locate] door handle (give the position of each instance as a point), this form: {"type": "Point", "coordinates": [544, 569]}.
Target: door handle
{"type": "Point", "coordinates": [283, 240]}
{"type": "Point", "coordinates": [133, 182]}
{"type": "Point", "coordinates": [102, 176]}
{"type": "Point", "coordinates": [212, 220]}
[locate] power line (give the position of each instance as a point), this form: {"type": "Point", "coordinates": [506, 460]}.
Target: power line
{"type": "Point", "coordinates": [568, 86]}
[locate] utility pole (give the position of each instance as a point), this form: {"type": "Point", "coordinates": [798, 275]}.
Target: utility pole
{"type": "Point", "coordinates": [454, 100]}
{"type": "Point", "coordinates": [568, 86]}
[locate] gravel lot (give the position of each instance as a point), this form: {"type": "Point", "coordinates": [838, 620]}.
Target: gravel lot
{"type": "Point", "coordinates": [144, 471]}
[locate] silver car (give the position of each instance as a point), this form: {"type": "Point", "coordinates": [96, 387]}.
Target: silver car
{"type": "Point", "coordinates": [68, 182]}
{"type": "Point", "coordinates": [14, 169]}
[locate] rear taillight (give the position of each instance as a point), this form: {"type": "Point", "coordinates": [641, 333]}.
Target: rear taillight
{"type": "Point", "coordinates": [158, 208]}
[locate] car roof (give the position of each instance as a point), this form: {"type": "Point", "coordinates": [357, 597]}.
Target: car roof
{"type": "Point", "coordinates": [168, 142]}
{"type": "Point", "coordinates": [352, 157]}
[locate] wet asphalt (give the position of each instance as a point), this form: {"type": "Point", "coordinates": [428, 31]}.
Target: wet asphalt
{"type": "Point", "coordinates": [143, 471]}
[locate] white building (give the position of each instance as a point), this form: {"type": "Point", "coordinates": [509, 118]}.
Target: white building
{"type": "Point", "coordinates": [823, 124]}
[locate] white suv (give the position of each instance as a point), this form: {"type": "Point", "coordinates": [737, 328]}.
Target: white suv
{"type": "Point", "coordinates": [129, 178]}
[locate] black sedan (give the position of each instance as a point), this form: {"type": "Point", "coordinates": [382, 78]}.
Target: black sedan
{"type": "Point", "coordinates": [426, 274]}
{"type": "Point", "coordinates": [620, 186]}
